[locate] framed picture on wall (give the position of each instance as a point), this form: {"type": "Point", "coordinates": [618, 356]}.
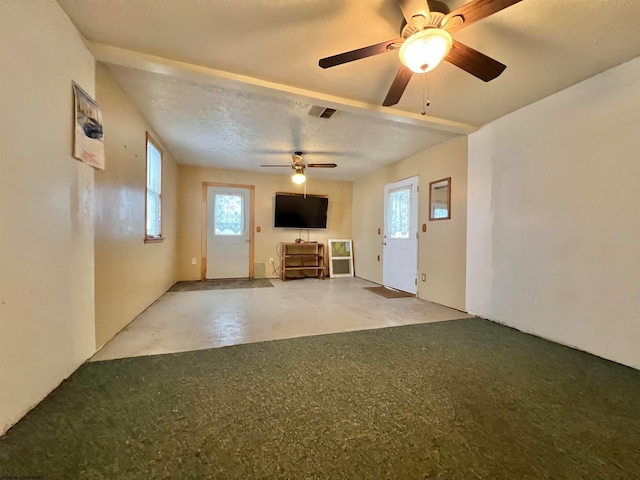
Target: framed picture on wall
{"type": "Point", "coordinates": [88, 137]}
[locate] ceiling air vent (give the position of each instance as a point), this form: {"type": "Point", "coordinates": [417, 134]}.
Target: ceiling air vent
{"type": "Point", "coordinates": [320, 112]}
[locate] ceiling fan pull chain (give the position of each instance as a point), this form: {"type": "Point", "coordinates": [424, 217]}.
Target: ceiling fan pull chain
{"type": "Point", "coordinates": [425, 99]}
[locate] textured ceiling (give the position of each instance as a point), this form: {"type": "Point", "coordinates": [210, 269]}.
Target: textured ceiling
{"type": "Point", "coordinates": [240, 130]}
{"type": "Point", "coordinates": [243, 72]}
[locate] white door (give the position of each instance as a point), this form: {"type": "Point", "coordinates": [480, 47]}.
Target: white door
{"type": "Point", "coordinates": [228, 230]}
{"type": "Point", "coordinates": [400, 243]}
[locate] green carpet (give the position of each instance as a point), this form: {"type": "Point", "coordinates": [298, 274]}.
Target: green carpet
{"type": "Point", "coordinates": [462, 399]}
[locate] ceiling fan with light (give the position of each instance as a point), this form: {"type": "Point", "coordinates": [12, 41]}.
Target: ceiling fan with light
{"type": "Point", "coordinates": [298, 165]}
{"type": "Point", "coordinates": [426, 40]}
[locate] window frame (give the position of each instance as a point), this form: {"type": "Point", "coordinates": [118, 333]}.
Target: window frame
{"type": "Point", "coordinates": [152, 238]}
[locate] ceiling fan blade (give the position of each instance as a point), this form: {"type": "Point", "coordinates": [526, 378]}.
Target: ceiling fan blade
{"type": "Point", "coordinates": [397, 87]}
{"type": "Point", "coordinates": [288, 166]}
{"type": "Point", "coordinates": [411, 8]}
{"type": "Point", "coordinates": [476, 10]}
{"type": "Point", "coordinates": [322, 165]}
{"type": "Point", "coordinates": [474, 62]}
{"type": "Point", "coordinates": [363, 52]}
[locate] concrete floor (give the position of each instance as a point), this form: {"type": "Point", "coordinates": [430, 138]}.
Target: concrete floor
{"type": "Point", "coordinates": [182, 321]}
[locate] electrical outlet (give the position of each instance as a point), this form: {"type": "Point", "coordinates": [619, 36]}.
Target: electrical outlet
{"type": "Point", "coordinates": [271, 260]}
{"type": "Point", "coordinates": [424, 277]}
{"type": "Point", "coordinates": [193, 261]}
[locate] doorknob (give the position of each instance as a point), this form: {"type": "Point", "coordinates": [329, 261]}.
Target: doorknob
{"type": "Point", "coordinates": [384, 243]}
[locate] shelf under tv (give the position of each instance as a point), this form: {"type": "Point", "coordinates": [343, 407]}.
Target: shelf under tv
{"type": "Point", "coordinates": [306, 259]}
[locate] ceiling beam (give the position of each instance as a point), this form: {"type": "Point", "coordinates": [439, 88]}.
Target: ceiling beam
{"type": "Point", "coordinates": [219, 78]}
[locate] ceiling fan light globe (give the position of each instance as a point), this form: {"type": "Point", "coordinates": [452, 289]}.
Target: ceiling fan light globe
{"type": "Point", "coordinates": [424, 50]}
{"type": "Point", "coordinates": [298, 178]}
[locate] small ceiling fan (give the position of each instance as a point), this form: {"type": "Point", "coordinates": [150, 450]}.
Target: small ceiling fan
{"type": "Point", "coordinates": [426, 40]}
{"type": "Point", "coordinates": [298, 165]}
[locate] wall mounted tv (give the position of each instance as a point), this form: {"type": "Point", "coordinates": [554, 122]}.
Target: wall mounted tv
{"type": "Point", "coordinates": [293, 210]}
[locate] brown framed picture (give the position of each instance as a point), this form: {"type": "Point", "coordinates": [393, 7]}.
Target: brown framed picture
{"type": "Point", "coordinates": [440, 199]}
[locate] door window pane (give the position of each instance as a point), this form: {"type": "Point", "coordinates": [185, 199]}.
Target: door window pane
{"type": "Point", "coordinates": [399, 213]}
{"type": "Point", "coordinates": [229, 216]}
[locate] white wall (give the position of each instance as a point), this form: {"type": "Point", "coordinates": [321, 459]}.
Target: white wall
{"type": "Point", "coordinates": [554, 217]}
{"type": "Point", "coordinates": [46, 207]}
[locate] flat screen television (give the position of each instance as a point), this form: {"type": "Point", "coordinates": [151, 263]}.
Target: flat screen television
{"type": "Point", "coordinates": [299, 211]}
